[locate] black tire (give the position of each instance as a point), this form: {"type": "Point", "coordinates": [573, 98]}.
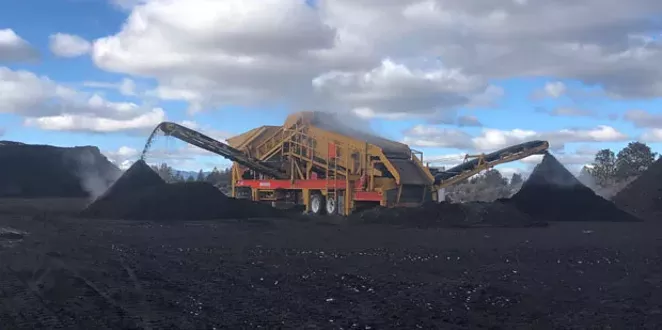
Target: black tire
{"type": "Point", "coordinates": [331, 206]}
{"type": "Point", "coordinates": [317, 204]}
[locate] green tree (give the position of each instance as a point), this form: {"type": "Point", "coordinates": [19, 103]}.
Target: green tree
{"type": "Point", "coordinates": [493, 178]}
{"type": "Point", "coordinates": [190, 178]}
{"type": "Point", "coordinates": [178, 177]}
{"type": "Point", "coordinates": [634, 160]}
{"type": "Point", "coordinates": [165, 172]}
{"type": "Point", "coordinates": [201, 176]}
{"type": "Point", "coordinates": [214, 176]}
{"type": "Point", "coordinates": [604, 167]}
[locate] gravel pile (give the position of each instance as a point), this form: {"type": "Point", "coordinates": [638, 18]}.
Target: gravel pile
{"type": "Point", "coordinates": [40, 171]}
{"type": "Point", "coordinates": [643, 197]}
{"type": "Point", "coordinates": [140, 194]}
{"type": "Point", "coordinates": [552, 193]}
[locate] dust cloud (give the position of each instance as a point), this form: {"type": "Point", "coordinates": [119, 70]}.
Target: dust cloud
{"type": "Point", "coordinates": [95, 176]}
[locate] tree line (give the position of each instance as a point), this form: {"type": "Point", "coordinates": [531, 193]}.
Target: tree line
{"type": "Point", "coordinates": [216, 177]}
{"type": "Point", "coordinates": [611, 172]}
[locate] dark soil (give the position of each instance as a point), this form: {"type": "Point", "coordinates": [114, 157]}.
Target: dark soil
{"type": "Point", "coordinates": [140, 194]}
{"type": "Point", "coordinates": [46, 171]}
{"type": "Point", "coordinates": [81, 274]}
{"type": "Point", "coordinates": [643, 197]}
{"type": "Point", "coordinates": [475, 214]}
{"type": "Point", "coordinates": [552, 193]}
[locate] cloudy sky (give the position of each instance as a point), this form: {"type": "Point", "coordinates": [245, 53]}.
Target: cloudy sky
{"type": "Point", "coordinates": [445, 76]}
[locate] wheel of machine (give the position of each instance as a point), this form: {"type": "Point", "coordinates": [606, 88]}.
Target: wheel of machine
{"type": "Point", "coordinates": [317, 204]}
{"type": "Point", "coordinates": [331, 206]}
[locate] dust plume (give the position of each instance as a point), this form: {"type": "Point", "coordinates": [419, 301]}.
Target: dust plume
{"type": "Point", "coordinates": [348, 124]}
{"type": "Point", "coordinates": [96, 174]}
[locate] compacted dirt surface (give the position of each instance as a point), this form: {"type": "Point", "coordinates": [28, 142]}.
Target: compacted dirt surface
{"type": "Point", "coordinates": [61, 272]}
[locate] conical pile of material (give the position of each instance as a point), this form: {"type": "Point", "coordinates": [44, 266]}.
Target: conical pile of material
{"type": "Point", "coordinates": [140, 194]}
{"type": "Point", "coordinates": [552, 193]}
{"type": "Point", "coordinates": [138, 176]}
{"type": "Point", "coordinates": [643, 197]}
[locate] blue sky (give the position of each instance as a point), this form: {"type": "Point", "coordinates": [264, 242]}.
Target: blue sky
{"type": "Point", "coordinates": [536, 95]}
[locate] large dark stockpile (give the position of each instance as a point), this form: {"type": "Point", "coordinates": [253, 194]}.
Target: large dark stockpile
{"type": "Point", "coordinates": [552, 193]}
{"type": "Point", "coordinates": [47, 171]}
{"type": "Point", "coordinates": [138, 176]}
{"type": "Point", "coordinates": [500, 213]}
{"type": "Point", "coordinates": [643, 197]}
{"type": "Point", "coordinates": [140, 194]}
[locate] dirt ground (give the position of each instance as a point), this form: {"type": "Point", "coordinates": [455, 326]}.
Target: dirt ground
{"type": "Point", "coordinates": [60, 272]}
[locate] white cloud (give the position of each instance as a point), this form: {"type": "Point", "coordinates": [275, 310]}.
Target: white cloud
{"type": "Point", "coordinates": [48, 105]}
{"type": "Point", "coordinates": [395, 89]}
{"type": "Point", "coordinates": [469, 121]}
{"type": "Point", "coordinates": [68, 45]}
{"type": "Point", "coordinates": [408, 56]}
{"type": "Point", "coordinates": [432, 136]}
{"type": "Point", "coordinates": [555, 89]}
{"type": "Point", "coordinates": [214, 53]}
{"type": "Point", "coordinates": [492, 139]}
{"type": "Point", "coordinates": [92, 123]}
{"type": "Point", "coordinates": [643, 119]}
{"type": "Point", "coordinates": [652, 135]}
{"type": "Point", "coordinates": [220, 52]}
{"type": "Point", "coordinates": [595, 41]}
{"type": "Point", "coordinates": [15, 48]}
{"type": "Point", "coordinates": [126, 87]}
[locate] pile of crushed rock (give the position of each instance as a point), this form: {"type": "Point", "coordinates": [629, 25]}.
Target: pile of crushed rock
{"type": "Point", "coordinates": [643, 196]}
{"type": "Point", "coordinates": [40, 171]}
{"type": "Point", "coordinates": [140, 194]}
{"type": "Point", "coordinates": [552, 193]}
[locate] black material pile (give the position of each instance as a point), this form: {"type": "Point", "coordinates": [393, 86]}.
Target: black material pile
{"type": "Point", "coordinates": [552, 193]}
{"type": "Point", "coordinates": [643, 197]}
{"type": "Point", "coordinates": [140, 194]}
{"type": "Point", "coordinates": [46, 171]}
{"type": "Point", "coordinates": [501, 213]}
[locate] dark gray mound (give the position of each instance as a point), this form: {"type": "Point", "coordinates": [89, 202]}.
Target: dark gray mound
{"type": "Point", "coordinates": [643, 197]}
{"type": "Point", "coordinates": [39, 171]}
{"type": "Point", "coordinates": [501, 213]}
{"type": "Point", "coordinates": [137, 177]}
{"type": "Point", "coordinates": [552, 193]}
{"type": "Point", "coordinates": [140, 194]}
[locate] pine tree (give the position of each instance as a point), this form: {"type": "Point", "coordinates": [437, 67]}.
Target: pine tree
{"type": "Point", "coordinates": [201, 176]}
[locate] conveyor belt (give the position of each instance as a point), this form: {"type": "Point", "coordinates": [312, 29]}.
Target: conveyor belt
{"type": "Point", "coordinates": [205, 142]}
{"type": "Point", "coordinates": [504, 155]}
